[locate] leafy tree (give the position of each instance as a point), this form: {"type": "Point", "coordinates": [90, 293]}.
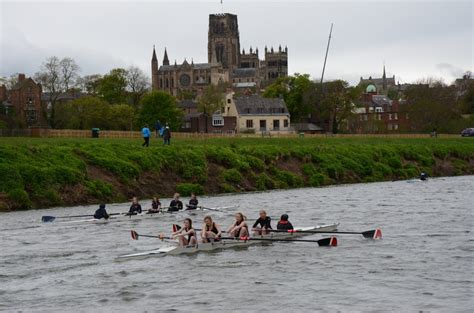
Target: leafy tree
{"type": "Point", "coordinates": [113, 86]}
{"type": "Point", "coordinates": [159, 105]}
{"type": "Point", "coordinates": [332, 102]}
{"type": "Point", "coordinates": [292, 90]}
{"type": "Point", "coordinates": [211, 101]}
{"type": "Point", "coordinates": [88, 112]}
{"type": "Point", "coordinates": [121, 117]}
{"type": "Point", "coordinates": [90, 84]}
{"type": "Point", "coordinates": [431, 106]}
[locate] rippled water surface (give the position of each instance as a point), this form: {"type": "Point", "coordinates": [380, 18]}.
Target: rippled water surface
{"type": "Point", "coordinates": [424, 262]}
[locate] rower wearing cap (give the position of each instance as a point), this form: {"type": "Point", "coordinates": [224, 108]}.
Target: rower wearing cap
{"type": "Point", "coordinates": [101, 212]}
{"type": "Point", "coordinates": [186, 235]}
{"type": "Point", "coordinates": [239, 228]}
{"type": "Point", "coordinates": [210, 230]}
{"type": "Point", "coordinates": [284, 224]}
{"type": "Point", "coordinates": [265, 223]}
{"type": "Point", "coordinates": [176, 204]}
{"type": "Point", "coordinates": [193, 202]}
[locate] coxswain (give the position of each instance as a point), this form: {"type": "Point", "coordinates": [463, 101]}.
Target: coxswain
{"type": "Point", "coordinates": [262, 223]}
{"type": "Point", "coordinates": [186, 235]}
{"type": "Point", "coordinates": [155, 205]}
{"type": "Point", "coordinates": [239, 228]}
{"type": "Point", "coordinates": [135, 208]}
{"type": "Point", "coordinates": [210, 230]}
{"type": "Point", "coordinates": [423, 176]}
{"type": "Point", "coordinates": [284, 224]}
{"type": "Point", "coordinates": [101, 213]}
{"type": "Point", "coordinates": [193, 202]}
{"type": "Point", "coordinates": [176, 204]}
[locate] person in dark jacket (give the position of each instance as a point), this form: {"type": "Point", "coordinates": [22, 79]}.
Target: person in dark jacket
{"type": "Point", "coordinates": [135, 208]}
{"type": "Point", "coordinates": [167, 135]}
{"type": "Point", "coordinates": [193, 202]}
{"type": "Point", "coordinates": [155, 205]}
{"type": "Point", "coordinates": [284, 224]}
{"type": "Point", "coordinates": [262, 223]}
{"type": "Point", "coordinates": [176, 204]}
{"type": "Point", "coordinates": [101, 212]}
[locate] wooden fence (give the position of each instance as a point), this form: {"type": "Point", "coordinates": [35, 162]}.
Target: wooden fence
{"type": "Point", "coordinates": [74, 133]}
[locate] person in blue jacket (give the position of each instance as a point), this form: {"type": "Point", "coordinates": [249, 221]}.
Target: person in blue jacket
{"type": "Point", "coordinates": [146, 136]}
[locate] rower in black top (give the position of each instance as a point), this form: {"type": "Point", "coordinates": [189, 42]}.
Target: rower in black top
{"type": "Point", "coordinates": [135, 208]}
{"type": "Point", "coordinates": [176, 204]}
{"type": "Point", "coordinates": [193, 202]}
{"type": "Point", "coordinates": [264, 221]}
{"type": "Point", "coordinates": [155, 205]}
{"type": "Point", "coordinates": [101, 212]}
{"type": "Point", "coordinates": [284, 224]}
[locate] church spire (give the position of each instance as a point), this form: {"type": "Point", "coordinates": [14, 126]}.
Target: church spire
{"type": "Point", "coordinates": [166, 61]}
{"type": "Point", "coordinates": [384, 79]}
{"type": "Point", "coordinates": [153, 58]}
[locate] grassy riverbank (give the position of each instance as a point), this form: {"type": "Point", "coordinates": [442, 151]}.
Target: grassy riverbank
{"type": "Point", "coordinates": [37, 173]}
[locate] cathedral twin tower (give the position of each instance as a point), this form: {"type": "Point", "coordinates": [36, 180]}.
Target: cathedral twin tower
{"type": "Point", "coordinates": [226, 63]}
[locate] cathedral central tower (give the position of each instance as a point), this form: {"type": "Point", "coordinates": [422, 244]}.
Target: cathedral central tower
{"type": "Point", "coordinates": [224, 41]}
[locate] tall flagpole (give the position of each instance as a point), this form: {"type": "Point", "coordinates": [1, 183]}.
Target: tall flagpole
{"type": "Point", "coordinates": [222, 6]}
{"type": "Point", "coordinates": [326, 57]}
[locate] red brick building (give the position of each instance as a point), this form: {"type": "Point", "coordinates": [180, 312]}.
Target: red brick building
{"type": "Point", "coordinates": [23, 102]}
{"type": "Point", "coordinates": [379, 114]}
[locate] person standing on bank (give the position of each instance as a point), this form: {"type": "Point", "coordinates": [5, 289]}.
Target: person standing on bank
{"type": "Point", "coordinates": [146, 136]}
{"type": "Point", "coordinates": [157, 128]}
{"type": "Point", "coordinates": [167, 135]}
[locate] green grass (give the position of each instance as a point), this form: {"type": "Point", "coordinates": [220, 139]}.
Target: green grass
{"type": "Point", "coordinates": [44, 172]}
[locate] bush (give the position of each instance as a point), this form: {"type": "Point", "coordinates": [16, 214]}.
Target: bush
{"type": "Point", "coordinates": [20, 199]}
{"type": "Point", "coordinates": [10, 178]}
{"type": "Point", "coordinates": [185, 189]}
{"type": "Point", "coordinates": [317, 180]}
{"type": "Point", "coordinates": [232, 176]}
{"type": "Point", "coordinates": [99, 189]}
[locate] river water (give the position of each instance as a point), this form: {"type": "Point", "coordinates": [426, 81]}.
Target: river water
{"type": "Point", "coordinates": [423, 263]}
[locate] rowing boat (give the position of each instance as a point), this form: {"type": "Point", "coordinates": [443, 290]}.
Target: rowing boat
{"type": "Point", "coordinates": [225, 243]}
{"type": "Point", "coordinates": [125, 216]}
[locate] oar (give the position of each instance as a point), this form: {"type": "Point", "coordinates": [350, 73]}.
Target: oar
{"type": "Point", "coordinates": [47, 218]}
{"type": "Point", "coordinates": [371, 234]}
{"type": "Point", "coordinates": [331, 241]}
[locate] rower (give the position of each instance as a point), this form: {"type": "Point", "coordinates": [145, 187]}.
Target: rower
{"type": "Point", "coordinates": [210, 230]}
{"type": "Point", "coordinates": [186, 230]}
{"type": "Point", "coordinates": [135, 208]}
{"type": "Point", "coordinates": [101, 213]}
{"type": "Point", "coordinates": [193, 202]}
{"type": "Point", "coordinates": [265, 223]}
{"type": "Point", "coordinates": [423, 176]}
{"type": "Point", "coordinates": [239, 228]}
{"type": "Point", "coordinates": [284, 224]}
{"type": "Point", "coordinates": [176, 204]}
{"type": "Point", "coordinates": [155, 205]}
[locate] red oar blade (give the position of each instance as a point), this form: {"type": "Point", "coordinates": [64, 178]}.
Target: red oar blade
{"type": "Point", "coordinates": [373, 234]}
{"type": "Point", "coordinates": [328, 242]}
{"type": "Point", "coordinates": [176, 228]}
{"type": "Point", "coordinates": [134, 235]}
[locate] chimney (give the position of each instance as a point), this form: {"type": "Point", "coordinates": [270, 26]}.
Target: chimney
{"type": "Point", "coordinates": [21, 77]}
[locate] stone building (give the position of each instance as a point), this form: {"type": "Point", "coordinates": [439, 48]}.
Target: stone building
{"type": "Point", "coordinates": [23, 102]}
{"type": "Point", "coordinates": [226, 63]}
{"type": "Point", "coordinates": [382, 85]}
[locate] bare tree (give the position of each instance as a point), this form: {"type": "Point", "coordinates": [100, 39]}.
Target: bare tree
{"type": "Point", "coordinates": [89, 83]}
{"type": "Point", "coordinates": [69, 73]}
{"type": "Point", "coordinates": [56, 77]}
{"type": "Point", "coordinates": [137, 84]}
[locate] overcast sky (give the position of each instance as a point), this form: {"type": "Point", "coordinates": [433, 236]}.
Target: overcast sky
{"type": "Point", "coordinates": [415, 39]}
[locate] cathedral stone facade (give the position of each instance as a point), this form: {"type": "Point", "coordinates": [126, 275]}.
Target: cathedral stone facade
{"type": "Point", "coordinates": [226, 63]}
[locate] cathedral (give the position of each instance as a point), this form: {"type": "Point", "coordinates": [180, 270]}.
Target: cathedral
{"type": "Point", "coordinates": [226, 63]}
